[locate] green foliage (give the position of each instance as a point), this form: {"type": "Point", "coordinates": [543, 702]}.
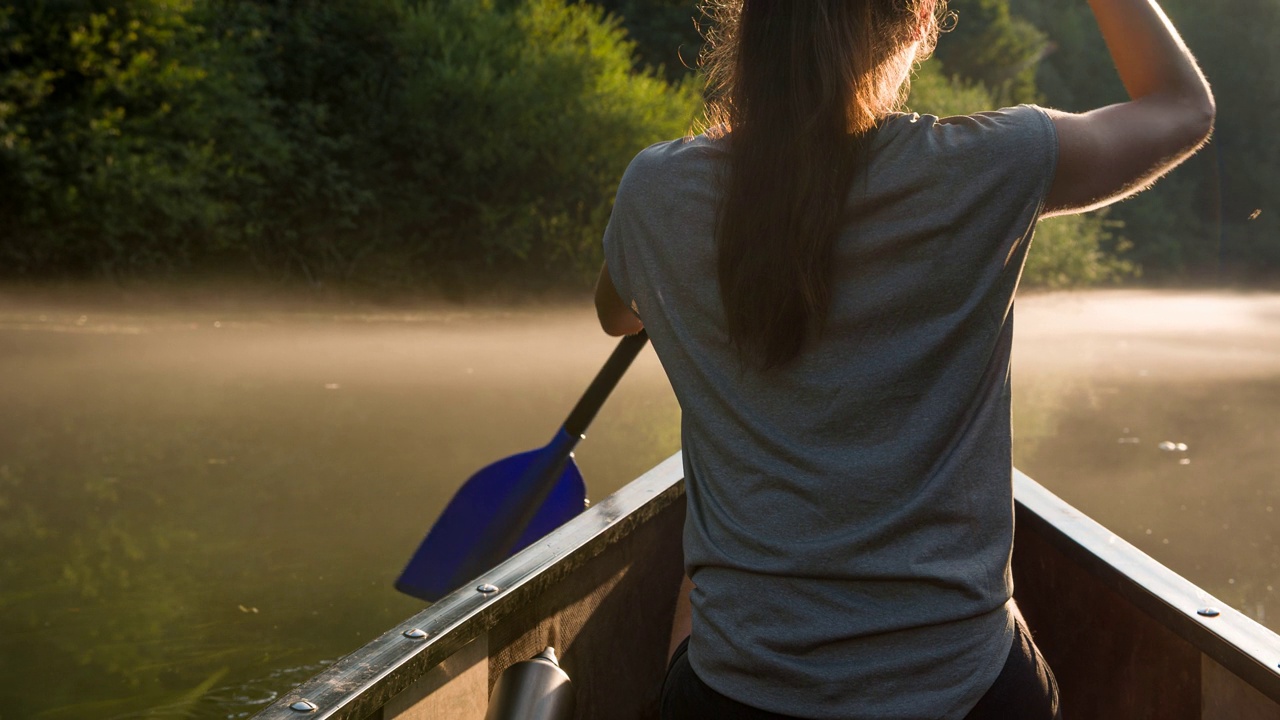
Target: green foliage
{"type": "Point", "coordinates": [1233, 186]}
{"type": "Point", "coordinates": [521, 144]}
{"type": "Point", "coordinates": [1077, 251]}
{"type": "Point", "coordinates": [989, 45]}
{"type": "Point", "coordinates": [402, 140]}
{"type": "Point", "coordinates": [1075, 72]}
{"type": "Point", "coordinates": [330, 75]}
{"type": "Point", "coordinates": [934, 93]}
{"type": "Point", "coordinates": [378, 139]}
{"type": "Point", "coordinates": [665, 32]}
{"type": "Point", "coordinates": [113, 134]}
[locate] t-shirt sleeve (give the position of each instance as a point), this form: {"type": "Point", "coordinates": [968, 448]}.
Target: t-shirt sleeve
{"type": "Point", "coordinates": [619, 232]}
{"type": "Point", "coordinates": [631, 224]}
{"type": "Point", "coordinates": [1002, 169]}
{"type": "Point", "coordinates": [1027, 141]}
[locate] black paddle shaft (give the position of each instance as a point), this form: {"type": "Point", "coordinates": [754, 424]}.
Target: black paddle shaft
{"type": "Point", "coordinates": [585, 411]}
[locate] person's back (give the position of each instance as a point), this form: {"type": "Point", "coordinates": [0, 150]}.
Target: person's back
{"type": "Point", "coordinates": [837, 331]}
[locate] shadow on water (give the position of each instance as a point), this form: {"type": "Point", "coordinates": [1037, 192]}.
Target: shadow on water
{"type": "Point", "coordinates": [202, 506]}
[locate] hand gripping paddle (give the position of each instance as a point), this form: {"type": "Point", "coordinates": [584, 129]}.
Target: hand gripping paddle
{"type": "Point", "coordinates": [512, 503]}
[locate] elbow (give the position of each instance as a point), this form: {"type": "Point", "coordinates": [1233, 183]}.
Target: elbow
{"type": "Point", "coordinates": [618, 330]}
{"type": "Point", "coordinates": [1187, 125]}
{"type": "Point", "coordinates": [1185, 117]}
{"type": "Point", "coordinates": [1206, 114]}
{"type": "Point", "coordinates": [1201, 113]}
{"type": "Point", "coordinates": [616, 318]}
{"type": "Point", "coordinates": [607, 323]}
{"type": "Point", "coordinates": [1209, 117]}
{"type": "Point", "coordinates": [619, 324]}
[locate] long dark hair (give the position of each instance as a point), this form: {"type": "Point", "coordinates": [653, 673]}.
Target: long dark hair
{"type": "Point", "coordinates": [795, 85]}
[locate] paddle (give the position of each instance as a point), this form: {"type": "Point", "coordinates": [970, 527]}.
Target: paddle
{"type": "Point", "coordinates": [512, 503]}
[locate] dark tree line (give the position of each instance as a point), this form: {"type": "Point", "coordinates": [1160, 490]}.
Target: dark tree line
{"type": "Point", "coordinates": [457, 141]}
{"type": "Point", "coordinates": [383, 141]}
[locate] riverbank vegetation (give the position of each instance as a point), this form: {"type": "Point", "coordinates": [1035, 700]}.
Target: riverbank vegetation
{"type": "Point", "coordinates": [459, 144]}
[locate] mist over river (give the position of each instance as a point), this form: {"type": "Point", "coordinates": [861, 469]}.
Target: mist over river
{"type": "Point", "coordinates": [205, 499]}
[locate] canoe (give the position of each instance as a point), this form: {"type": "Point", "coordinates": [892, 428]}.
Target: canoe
{"type": "Point", "coordinates": [1127, 637]}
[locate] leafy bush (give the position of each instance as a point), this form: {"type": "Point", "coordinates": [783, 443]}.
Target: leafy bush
{"type": "Point", "coordinates": [666, 32]}
{"type": "Point", "coordinates": [114, 131]}
{"type": "Point", "coordinates": [987, 44]}
{"type": "Point", "coordinates": [935, 93]}
{"type": "Point", "coordinates": [402, 140]}
{"type": "Point", "coordinates": [523, 124]}
{"type": "Point", "coordinates": [376, 139]}
{"type": "Point", "coordinates": [330, 75]}
{"type": "Point", "coordinates": [1077, 251]}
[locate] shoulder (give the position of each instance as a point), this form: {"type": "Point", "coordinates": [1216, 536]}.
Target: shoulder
{"type": "Point", "coordinates": [1011, 126]}
{"type": "Point", "coordinates": [1023, 124]}
{"type": "Point", "coordinates": [668, 163]}
{"type": "Point", "coordinates": [1006, 144]}
{"type": "Point", "coordinates": [670, 153]}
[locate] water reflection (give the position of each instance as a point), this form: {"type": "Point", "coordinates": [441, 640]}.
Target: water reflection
{"type": "Point", "coordinates": [201, 506]}
{"type": "Point", "coordinates": [1154, 413]}
{"type": "Point", "coordinates": [1205, 507]}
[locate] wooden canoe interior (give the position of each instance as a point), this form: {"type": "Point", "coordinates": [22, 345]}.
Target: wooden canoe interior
{"type": "Point", "coordinates": [608, 614]}
{"type": "Point", "coordinates": [609, 620]}
{"type": "Point", "coordinates": [1111, 659]}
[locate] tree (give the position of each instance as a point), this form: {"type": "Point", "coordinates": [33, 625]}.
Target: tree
{"type": "Point", "coordinates": [665, 32]}
{"type": "Point", "coordinates": [987, 44]}
{"type": "Point", "coordinates": [389, 140]}
{"type": "Point", "coordinates": [118, 130]}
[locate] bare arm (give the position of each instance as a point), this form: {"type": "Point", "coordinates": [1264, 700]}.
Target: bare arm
{"type": "Point", "coordinates": [615, 317]}
{"type": "Point", "coordinates": [1110, 153]}
{"type": "Point", "coordinates": [682, 623]}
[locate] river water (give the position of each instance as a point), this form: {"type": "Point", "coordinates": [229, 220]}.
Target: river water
{"type": "Point", "coordinates": [204, 499]}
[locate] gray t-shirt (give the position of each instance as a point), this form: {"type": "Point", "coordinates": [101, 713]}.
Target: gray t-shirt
{"type": "Point", "coordinates": [850, 516]}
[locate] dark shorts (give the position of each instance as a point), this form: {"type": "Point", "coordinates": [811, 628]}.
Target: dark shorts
{"type": "Point", "coordinates": [1025, 689]}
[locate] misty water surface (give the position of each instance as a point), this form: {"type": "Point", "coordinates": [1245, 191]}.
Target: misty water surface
{"type": "Point", "coordinates": [202, 502]}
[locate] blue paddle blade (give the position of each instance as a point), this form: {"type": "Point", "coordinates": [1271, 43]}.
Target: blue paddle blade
{"type": "Point", "coordinates": [501, 510]}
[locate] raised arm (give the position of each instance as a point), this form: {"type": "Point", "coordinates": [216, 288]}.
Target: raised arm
{"type": "Point", "coordinates": [1110, 153]}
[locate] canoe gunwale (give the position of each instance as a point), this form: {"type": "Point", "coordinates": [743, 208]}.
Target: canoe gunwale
{"type": "Point", "coordinates": [355, 687]}
{"type": "Point", "coordinates": [1241, 645]}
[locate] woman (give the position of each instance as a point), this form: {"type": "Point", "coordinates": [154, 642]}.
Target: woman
{"type": "Point", "coordinates": [829, 286]}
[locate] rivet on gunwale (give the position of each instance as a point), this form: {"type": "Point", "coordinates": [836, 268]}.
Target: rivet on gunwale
{"type": "Point", "coordinates": [487, 589]}
{"type": "Point", "coordinates": [1209, 612]}
{"type": "Point", "coordinates": [304, 706]}
{"type": "Point", "coordinates": [415, 634]}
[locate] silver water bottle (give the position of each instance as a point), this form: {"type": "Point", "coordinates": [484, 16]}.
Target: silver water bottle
{"type": "Point", "coordinates": [536, 689]}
